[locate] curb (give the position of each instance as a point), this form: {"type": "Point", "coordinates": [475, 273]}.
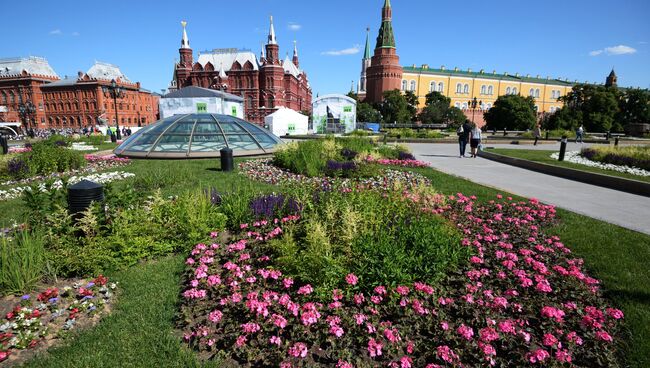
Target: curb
{"type": "Point", "coordinates": [606, 181]}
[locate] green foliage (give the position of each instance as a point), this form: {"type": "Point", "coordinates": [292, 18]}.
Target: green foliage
{"type": "Point", "coordinates": [22, 261]}
{"type": "Point", "coordinates": [437, 109]}
{"type": "Point", "coordinates": [412, 101]}
{"type": "Point", "coordinates": [367, 113]}
{"type": "Point", "coordinates": [384, 241]}
{"type": "Point", "coordinates": [634, 107]}
{"type": "Point", "coordinates": [412, 133]}
{"type": "Point", "coordinates": [511, 112]}
{"type": "Point", "coordinates": [93, 140]}
{"type": "Point", "coordinates": [46, 157]}
{"type": "Point", "coordinates": [395, 108]}
{"type": "Point", "coordinates": [455, 117]}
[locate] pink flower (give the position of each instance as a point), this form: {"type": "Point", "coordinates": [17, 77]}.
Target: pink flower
{"type": "Point", "coordinates": [402, 290]}
{"type": "Point", "coordinates": [488, 334]}
{"type": "Point", "coordinates": [543, 286]}
{"type": "Point", "coordinates": [241, 341]}
{"type": "Point", "coordinates": [552, 312]}
{"type": "Point", "coordinates": [392, 335]}
{"type": "Point", "coordinates": [549, 340]}
{"type": "Point", "coordinates": [444, 325]}
{"type": "Point", "coordinates": [343, 364]}
{"type": "Point", "coordinates": [538, 356]}
{"type": "Point", "coordinates": [360, 318]}
{"type": "Point", "coordinates": [465, 331]}
{"type": "Point", "coordinates": [337, 331]}
{"type": "Point", "coordinates": [602, 335]}
{"type": "Point", "coordinates": [250, 327]}
{"type": "Point", "coordinates": [214, 280]}
{"type": "Point", "coordinates": [215, 316]}
{"type": "Point", "coordinates": [287, 282]}
{"type": "Point", "coordinates": [275, 340]}
{"type": "Point", "coordinates": [298, 350]}
{"type": "Point", "coordinates": [359, 299]}
{"type": "Point", "coordinates": [279, 321]}
{"type": "Point", "coordinates": [374, 348]}
{"type": "Point", "coordinates": [614, 313]}
{"type": "Point", "coordinates": [306, 290]}
{"type": "Point", "coordinates": [445, 353]}
{"type": "Point", "coordinates": [405, 362]}
{"type": "Point", "coordinates": [563, 356]}
{"type": "Point", "coordinates": [351, 279]}
{"type": "Point", "coordinates": [380, 290]}
{"type": "Point", "coordinates": [573, 337]}
{"type": "Point", "coordinates": [506, 327]}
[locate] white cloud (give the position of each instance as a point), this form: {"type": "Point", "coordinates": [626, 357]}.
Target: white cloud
{"type": "Point", "coordinates": [642, 42]}
{"type": "Point", "coordinates": [614, 50]}
{"type": "Point", "coordinates": [349, 51]}
{"type": "Point", "coordinates": [294, 26]}
{"type": "Point", "coordinates": [56, 32]}
{"type": "Point", "coordinates": [76, 34]}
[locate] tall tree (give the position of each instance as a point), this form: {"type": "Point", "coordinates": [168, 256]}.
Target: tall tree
{"type": "Point", "coordinates": [367, 114]}
{"type": "Point", "coordinates": [436, 108]}
{"type": "Point", "coordinates": [512, 112]}
{"type": "Point", "coordinates": [455, 117]}
{"type": "Point", "coordinates": [634, 107]}
{"type": "Point", "coordinates": [394, 108]}
{"type": "Point", "coordinates": [412, 101]}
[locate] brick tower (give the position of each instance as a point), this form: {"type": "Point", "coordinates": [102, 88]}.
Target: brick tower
{"type": "Point", "coordinates": [384, 73]}
{"type": "Point", "coordinates": [611, 79]}
{"type": "Point", "coordinates": [184, 67]}
{"type": "Point", "coordinates": [272, 75]}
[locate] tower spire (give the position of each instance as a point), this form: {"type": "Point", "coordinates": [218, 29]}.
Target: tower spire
{"type": "Point", "coordinates": [272, 40]}
{"type": "Point", "coordinates": [185, 43]}
{"type": "Point", "coordinates": [366, 53]}
{"type": "Point", "coordinates": [386, 38]}
{"type": "Point", "coordinates": [295, 54]}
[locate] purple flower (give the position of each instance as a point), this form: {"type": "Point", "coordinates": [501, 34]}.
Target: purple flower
{"type": "Point", "coordinates": [25, 297]}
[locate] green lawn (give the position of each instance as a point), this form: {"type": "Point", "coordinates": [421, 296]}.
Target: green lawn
{"type": "Point", "coordinates": [544, 157]}
{"type": "Point", "coordinates": [139, 333]}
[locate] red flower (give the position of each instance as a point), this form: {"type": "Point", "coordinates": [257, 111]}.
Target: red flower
{"type": "Point", "coordinates": [4, 355]}
{"type": "Point", "coordinates": [101, 280]}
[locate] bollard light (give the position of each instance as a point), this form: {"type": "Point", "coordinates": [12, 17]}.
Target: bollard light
{"type": "Point", "coordinates": [616, 142]}
{"type": "Point", "coordinates": [82, 194]}
{"type": "Point", "coordinates": [226, 159]}
{"type": "Point", "coordinates": [563, 142]}
{"type": "Point", "coordinates": [4, 144]}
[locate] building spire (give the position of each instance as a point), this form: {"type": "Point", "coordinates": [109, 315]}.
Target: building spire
{"type": "Point", "coordinates": [295, 54]}
{"type": "Point", "coordinates": [366, 53]}
{"type": "Point", "coordinates": [272, 40]}
{"type": "Point", "coordinates": [185, 43]}
{"type": "Point", "coordinates": [222, 73]}
{"type": "Point", "coordinates": [386, 38]}
{"type": "Point", "coordinates": [262, 51]}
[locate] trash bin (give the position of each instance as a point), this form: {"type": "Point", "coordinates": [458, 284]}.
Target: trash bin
{"type": "Point", "coordinates": [82, 194]}
{"type": "Point", "coordinates": [226, 159]}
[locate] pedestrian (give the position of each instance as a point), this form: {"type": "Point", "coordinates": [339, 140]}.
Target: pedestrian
{"type": "Point", "coordinates": [579, 132]}
{"type": "Point", "coordinates": [475, 139]}
{"type": "Point", "coordinates": [537, 133]}
{"type": "Point", "coordinates": [463, 136]}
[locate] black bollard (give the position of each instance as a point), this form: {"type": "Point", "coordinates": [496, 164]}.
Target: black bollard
{"type": "Point", "coordinates": [616, 142]}
{"type": "Point", "coordinates": [4, 144]}
{"type": "Point", "coordinates": [546, 135]}
{"type": "Point", "coordinates": [562, 148]}
{"type": "Point", "coordinates": [226, 159]}
{"type": "Point", "coordinates": [607, 135]}
{"type": "Point", "coordinates": [113, 138]}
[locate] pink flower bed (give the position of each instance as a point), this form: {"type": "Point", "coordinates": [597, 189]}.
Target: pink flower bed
{"type": "Point", "coordinates": [19, 149]}
{"type": "Point", "coordinates": [521, 300]}
{"type": "Point", "coordinates": [402, 163]}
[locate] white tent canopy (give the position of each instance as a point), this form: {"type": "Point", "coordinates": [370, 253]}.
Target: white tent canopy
{"type": "Point", "coordinates": [287, 122]}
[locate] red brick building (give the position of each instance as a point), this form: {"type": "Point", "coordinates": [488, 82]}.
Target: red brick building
{"type": "Point", "coordinates": [71, 102]}
{"type": "Point", "coordinates": [265, 83]}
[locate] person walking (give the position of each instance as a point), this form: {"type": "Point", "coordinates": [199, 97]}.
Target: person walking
{"type": "Point", "coordinates": [579, 132]}
{"type": "Point", "coordinates": [537, 133]}
{"type": "Point", "coordinates": [475, 139]}
{"type": "Point", "coordinates": [463, 136]}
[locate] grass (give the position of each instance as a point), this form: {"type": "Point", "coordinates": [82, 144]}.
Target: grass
{"type": "Point", "coordinates": [139, 333]}
{"type": "Point", "coordinates": [544, 157]}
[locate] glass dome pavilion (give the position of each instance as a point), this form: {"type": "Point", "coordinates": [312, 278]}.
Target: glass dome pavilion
{"type": "Point", "coordinates": [198, 136]}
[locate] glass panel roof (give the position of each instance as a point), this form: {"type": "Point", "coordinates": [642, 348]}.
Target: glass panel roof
{"type": "Point", "coordinates": [198, 135]}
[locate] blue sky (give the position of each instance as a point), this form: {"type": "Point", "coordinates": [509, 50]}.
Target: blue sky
{"type": "Point", "coordinates": [570, 39]}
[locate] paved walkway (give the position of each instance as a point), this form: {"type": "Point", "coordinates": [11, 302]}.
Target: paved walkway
{"type": "Point", "coordinates": [620, 208]}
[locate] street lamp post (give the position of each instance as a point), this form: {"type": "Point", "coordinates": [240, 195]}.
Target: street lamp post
{"type": "Point", "coordinates": [26, 110]}
{"type": "Point", "coordinates": [472, 103]}
{"type": "Point", "coordinates": [116, 92]}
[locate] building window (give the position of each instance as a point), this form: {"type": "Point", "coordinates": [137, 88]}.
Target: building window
{"type": "Point", "coordinates": [404, 83]}
{"type": "Point", "coordinates": [508, 91]}
{"type": "Point", "coordinates": [432, 86]}
{"type": "Point", "coordinates": [490, 90]}
{"type": "Point", "coordinates": [459, 88]}
{"type": "Point", "coordinates": [531, 92]}
{"type": "Point", "coordinates": [483, 90]}
{"type": "Point", "coordinates": [12, 98]}
{"type": "Point", "coordinates": [514, 91]}
{"type": "Point", "coordinates": [412, 86]}
{"type": "Point", "coordinates": [466, 88]}
{"type": "Point", "coordinates": [250, 102]}
{"type": "Point", "coordinates": [441, 87]}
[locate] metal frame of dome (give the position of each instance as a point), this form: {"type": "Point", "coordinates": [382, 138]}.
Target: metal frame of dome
{"type": "Point", "coordinates": [198, 136]}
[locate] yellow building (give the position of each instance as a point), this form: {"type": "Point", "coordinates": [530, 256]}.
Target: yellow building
{"type": "Point", "coordinates": [463, 86]}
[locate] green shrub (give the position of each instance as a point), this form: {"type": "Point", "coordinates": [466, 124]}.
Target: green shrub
{"type": "Point", "coordinates": [47, 157]}
{"type": "Point", "coordinates": [93, 140]}
{"type": "Point", "coordinates": [22, 261]}
{"type": "Point", "coordinates": [557, 133]}
{"type": "Point", "coordinates": [356, 144]}
{"type": "Point", "coordinates": [384, 241]}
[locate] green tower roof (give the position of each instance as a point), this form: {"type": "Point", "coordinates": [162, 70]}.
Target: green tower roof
{"type": "Point", "coordinates": [386, 38]}
{"type": "Point", "coordinates": [366, 53]}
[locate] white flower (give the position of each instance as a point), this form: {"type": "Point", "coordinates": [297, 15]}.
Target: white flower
{"type": "Point", "coordinates": [574, 157]}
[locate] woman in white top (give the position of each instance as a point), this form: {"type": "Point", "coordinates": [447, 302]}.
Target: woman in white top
{"type": "Point", "coordinates": [475, 139]}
